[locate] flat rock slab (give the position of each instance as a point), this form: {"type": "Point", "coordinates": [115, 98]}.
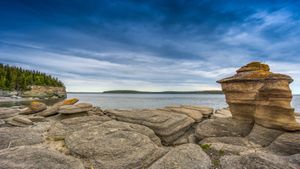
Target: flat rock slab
{"type": "Point", "coordinates": [194, 114]}
{"type": "Point", "coordinates": [186, 156]}
{"type": "Point", "coordinates": [286, 144]}
{"type": "Point", "coordinates": [33, 157]}
{"type": "Point", "coordinates": [168, 126]}
{"type": "Point", "coordinates": [22, 119]}
{"type": "Point", "coordinates": [221, 127]}
{"type": "Point", "coordinates": [77, 108]}
{"type": "Point", "coordinates": [61, 128]}
{"type": "Point", "coordinates": [263, 136]}
{"type": "Point", "coordinates": [8, 112]}
{"type": "Point", "coordinates": [113, 146]}
{"type": "Point", "coordinates": [17, 136]}
{"type": "Point", "coordinates": [258, 160]}
{"type": "Point", "coordinates": [204, 110]}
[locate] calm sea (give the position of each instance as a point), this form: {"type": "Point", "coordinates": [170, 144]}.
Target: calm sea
{"type": "Point", "coordinates": [129, 101]}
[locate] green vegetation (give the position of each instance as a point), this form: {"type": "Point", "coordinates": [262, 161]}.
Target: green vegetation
{"type": "Point", "coordinates": [164, 92]}
{"type": "Point", "coordinates": [15, 78]}
{"type": "Point", "coordinates": [205, 146]}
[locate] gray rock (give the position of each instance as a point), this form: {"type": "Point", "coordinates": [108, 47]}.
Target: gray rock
{"type": "Point", "coordinates": [37, 119]}
{"type": "Point", "coordinates": [2, 122]}
{"type": "Point", "coordinates": [221, 127]}
{"type": "Point", "coordinates": [257, 160]}
{"type": "Point", "coordinates": [222, 113]}
{"type": "Point", "coordinates": [7, 112]}
{"type": "Point", "coordinates": [50, 111]}
{"type": "Point", "coordinates": [77, 108]}
{"type": "Point", "coordinates": [204, 110]}
{"type": "Point", "coordinates": [59, 129]}
{"type": "Point", "coordinates": [16, 136]}
{"type": "Point", "coordinates": [111, 147]}
{"type": "Point", "coordinates": [286, 144]}
{"type": "Point", "coordinates": [168, 126]}
{"type": "Point", "coordinates": [186, 156]}
{"type": "Point", "coordinates": [23, 120]}
{"type": "Point", "coordinates": [33, 157]}
{"type": "Point", "coordinates": [194, 114]}
{"type": "Point", "coordinates": [226, 145]}
{"type": "Point", "coordinates": [263, 136]}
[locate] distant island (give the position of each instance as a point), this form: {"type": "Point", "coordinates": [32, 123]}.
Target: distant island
{"type": "Point", "coordinates": [163, 92]}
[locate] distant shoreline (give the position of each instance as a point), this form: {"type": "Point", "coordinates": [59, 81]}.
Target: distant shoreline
{"type": "Point", "coordinates": [147, 92]}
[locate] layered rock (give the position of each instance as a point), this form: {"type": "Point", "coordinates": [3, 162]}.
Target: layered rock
{"type": "Point", "coordinates": [45, 92]}
{"type": "Point", "coordinates": [35, 157]}
{"type": "Point", "coordinates": [168, 126]}
{"type": "Point", "coordinates": [257, 94]}
{"type": "Point", "coordinates": [115, 145]}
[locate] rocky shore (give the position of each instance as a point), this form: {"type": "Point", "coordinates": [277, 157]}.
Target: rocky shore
{"type": "Point", "coordinates": [258, 130]}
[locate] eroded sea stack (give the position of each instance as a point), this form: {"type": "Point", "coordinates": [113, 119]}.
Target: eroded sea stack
{"type": "Point", "coordinates": [256, 94]}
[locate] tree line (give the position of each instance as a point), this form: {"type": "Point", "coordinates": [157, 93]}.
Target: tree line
{"type": "Point", "coordinates": [16, 78]}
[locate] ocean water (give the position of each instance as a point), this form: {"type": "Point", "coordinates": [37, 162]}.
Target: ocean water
{"type": "Point", "coordinates": [130, 101]}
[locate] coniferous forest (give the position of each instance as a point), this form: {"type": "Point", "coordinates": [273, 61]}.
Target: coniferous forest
{"type": "Point", "coordinates": [16, 78]}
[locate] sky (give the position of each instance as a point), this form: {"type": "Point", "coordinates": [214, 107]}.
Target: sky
{"type": "Point", "coordinates": [153, 45]}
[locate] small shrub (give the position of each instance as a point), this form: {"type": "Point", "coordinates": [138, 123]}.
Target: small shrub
{"type": "Point", "coordinates": [205, 146]}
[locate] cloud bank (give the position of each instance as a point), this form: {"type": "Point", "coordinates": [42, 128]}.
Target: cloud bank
{"type": "Point", "coordinates": [149, 45]}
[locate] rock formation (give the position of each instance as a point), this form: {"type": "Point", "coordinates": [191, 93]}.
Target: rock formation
{"type": "Point", "coordinates": [256, 94]}
{"type": "Point", "coordinates": [44, 92]}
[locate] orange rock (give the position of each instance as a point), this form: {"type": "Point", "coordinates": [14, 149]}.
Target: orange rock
{"type": "Point", "coordinates": [258, 95]}
{"type": "Point", "coordinates": [70, 101]}
{"type": "Point", "coordinates": [36, 106]}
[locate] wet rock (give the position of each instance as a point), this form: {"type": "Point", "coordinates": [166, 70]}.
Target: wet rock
{"type": "Point", "coordinates": [168, 126]}
{"type": "Point", "coordinates": [257, 94]}
{"type": "Point", "coordinates": [286, 144]}
{"type": "Point", "coordinates": [263, 136]}
{"type": "Point", "coordinates": [23, 120]}
{"type": "Point", "coordinates": [16, 136]}
{"type": "Point", "coordinates": [187, 156]}
{"type": "Point", "coordinates": [7, 112]}
{"type": "Point", "coordinates": [257, 160]}
{"type": "Point", "coordinates": [109, 146]}
{"type": "Point", "coordinates": [35, 157]}
{"type": "Point", "coordinates": [70, 101]}
{"type": "Point", "coordinates": [36, 106]}
{"type": "Point", "coordinates": [77, 108]}
{"type": "Point", "coordinates": [221, 127]}
{"type": "Point", "coordinates": [222, 113]}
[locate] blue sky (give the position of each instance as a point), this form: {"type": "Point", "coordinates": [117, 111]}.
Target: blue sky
{"type": "Point", "coordinates": [149, 45]}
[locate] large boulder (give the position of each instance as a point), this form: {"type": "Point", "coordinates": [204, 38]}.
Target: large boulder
{"type": "Point", "coordinates": [186, 156]}
{"type": "Point", "coordinates": [113, 146]}
{"type": "Point", "coordinates": [221, 127]}
{"type": "Point", "coordinates": [257, 94]}
{"type": "Point", "coordinates": [168, 126]}
{"type": "Point", "coordinates": [34, 157]}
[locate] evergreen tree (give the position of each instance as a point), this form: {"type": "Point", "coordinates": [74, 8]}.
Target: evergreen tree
{"type": "Point", "coordinates": [15, 78]}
